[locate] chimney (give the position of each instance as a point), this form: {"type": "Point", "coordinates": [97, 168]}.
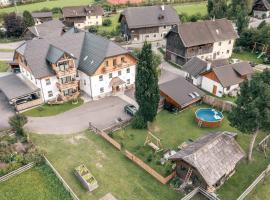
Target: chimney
{"type": "Point", "coordinates": [208, 66]}
{"type": "Point", "coordinates": [162, 7]}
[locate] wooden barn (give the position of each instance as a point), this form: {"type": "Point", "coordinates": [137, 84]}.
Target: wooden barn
{"type": "Point", "coordinates": [180, 93]}
{"type": "Point", "coordinates": [209, 161]}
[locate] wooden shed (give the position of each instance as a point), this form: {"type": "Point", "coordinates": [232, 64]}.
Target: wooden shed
{"type": "Point", "coordinates": [209, 161]}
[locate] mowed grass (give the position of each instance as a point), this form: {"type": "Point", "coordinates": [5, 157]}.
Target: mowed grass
{"type": "Point", "coordinates": [46, 4]}
{"type": "Point", "coordinates": [172, 129]}
{"type": "Point", "coordinates": [37, 183]}
{"type": "Point", "coordinates": [114, 18]}
{"type": "Point", "coordinates": [50, 110]}
{"type": "Point", "coordinates": [262, 191]}
{"type": "Point", "coordinates": [3, 66]}
{"type": "Point", "coordinates": [192, 8]}
{"type": "Point", "coordinates": [248, 56]}
{"type": "Point", "coordinates": [114, 172]}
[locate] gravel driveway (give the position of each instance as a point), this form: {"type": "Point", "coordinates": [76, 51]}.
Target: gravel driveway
{"type": "Point", "coordinates": [101, 113]}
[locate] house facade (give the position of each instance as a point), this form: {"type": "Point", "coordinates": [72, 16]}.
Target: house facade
{"type": "Point", "coordinates": [83, 16]}
{"type": "Point", "coordinates": [261, 9]}
{"type": "Point", "coordinates": [225, 80]}
{"type": "Point", "coordinates": [63, 66]}
{"type": "Point", "coordinates": [210, 39]}
{"type": "Point", "coordinates": [151, 23]}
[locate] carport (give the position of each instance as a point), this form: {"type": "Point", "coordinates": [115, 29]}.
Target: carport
{"type": "Point", "coordinates": [22, 94]}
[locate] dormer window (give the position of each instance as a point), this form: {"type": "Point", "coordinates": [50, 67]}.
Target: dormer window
{"type": "Point", "coordinates": [63, 66]}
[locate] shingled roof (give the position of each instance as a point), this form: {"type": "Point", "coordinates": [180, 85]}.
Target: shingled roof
{"type": "Point", "coordinates": [213, 155]}
{"type": "Point", "coordinates": [229, 75]}
{"type": "Point", "coordinates": [150, 16]}
{"type": "Point", "coordinates": [81, 11]}
{"type": "Point", "coordinates": [88, 49]}
{"type": "Point", "coordinates": [41, 14]}
{"type": "Point", "coordinates": [196, 66]}
{"type": "Point", "coordinates": [205, 32]}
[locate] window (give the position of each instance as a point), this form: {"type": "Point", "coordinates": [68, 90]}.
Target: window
{"type": "Point", "coordinates": [147, 36]}
{"type": "Point", "coordinates": [84, 82]}
{"type": "Point", "coordinates": [48, 81]}
{"type": "Point", "coordinates": [110, 75]}
{"type": "Point", "coordinates": [218, 53]}
{"type": "Point", "coordinates": [128, 70]}
{"type": "Point", "coordinates": [122, 59]}
{"type": "Point", "coordinates": [228, 51]}
{"type": "Point", "coordinates": [114, 62]}
{"type": "Point", "coordinates": [106, 63]}
{"type": "Point", "coordinates": [219, 44]}
{"type": "Point", "coordinates": [154, 35]}
{"type": "Point", "coordinates": [100, 78]}
{"type": "Point", "coordinates": [230, 42]}
{"type": "Point", "coordinates": [164, 26]}
{"type": "Point", "coordinates": [119, 73]}
{"type": "Point", "coordinates": [50, 93]}
{"type": "Point", "coordinates": [63, 66]}
{"type": "Point", "coordinates": [101, 89]}
{"type": "Point", "coordinates": [128, 81]}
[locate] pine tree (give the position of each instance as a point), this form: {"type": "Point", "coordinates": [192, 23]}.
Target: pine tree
{"type": "Point", "coordinates": [252, 111]}
{"type": "Point", "coordinates": [217, 8]}
{"type": "Point", "coordinates": [146, 87]}
{"type": "Point", "coordinates": [28, 20]}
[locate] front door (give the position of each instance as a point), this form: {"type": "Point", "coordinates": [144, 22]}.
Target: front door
{"type": "Point", "coordinates": [214, 90]}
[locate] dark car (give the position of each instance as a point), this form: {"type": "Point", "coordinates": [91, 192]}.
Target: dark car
{"type": "Point", "coordinates": [170, 107]}
{"type": "Point", "coordinates": [130, 109]}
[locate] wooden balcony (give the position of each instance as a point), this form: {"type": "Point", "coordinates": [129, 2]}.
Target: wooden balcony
{"type": "Point", "coordinates": [65, 86]}
{"type": "Point", "coordinates": [115, 67]}
{"type": "Point", "coordinates": [70, 97]}
{"type": "Point", "coordinates": [28, 104]}
{"type": "Point", "coordinates": [69, 72]}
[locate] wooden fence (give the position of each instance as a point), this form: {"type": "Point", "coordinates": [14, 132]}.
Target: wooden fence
{"type": "Point", "coordinates": [218, 103]}
{"type": "Point", "coordinates": [73, 195]}
{"type": "Point", "coordinates": [253, 185]}
{"type": "Point", "coordinates": [16, 172]}
{"type": "Point", "coordinates": [146, 167]}
{"type": "Point", "coordinates": [110, 140]}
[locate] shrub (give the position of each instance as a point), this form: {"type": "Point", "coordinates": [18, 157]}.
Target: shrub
{"type": "Point", "coordinates": [138, 122]}
{"type": "Point", "coordinates": [93, 29]}
{"type": "Point", "coordinates": [17, 122]}
{"type": "Point", "coordinates": [56, 10]}
{"type": "Point", "coordinates": [149, 157]}
{"type": "Point", "coordinates": [107, 22]}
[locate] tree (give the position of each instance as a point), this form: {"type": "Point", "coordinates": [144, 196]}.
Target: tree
{"type": "Point", "coordinates": [93, 29]}
{"type": "Point", "coordinates": [28, 20]}
{"type": "Point", "coordinates": [252, 111]}
{"type": "Point", "coordinates": [217, 8]}
{"type": "Point", "coordinates": [17, 122]}
{"type": "Point", "coordinates": [146, 87]}
{"type": "Point", "coordinates": [242, 19]}
{"type": "Point", "coordinates": [13, 25]}
{"type": "Point", "coordinates": [107, 22]}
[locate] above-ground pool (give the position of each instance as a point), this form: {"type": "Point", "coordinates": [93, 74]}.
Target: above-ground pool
{"type": "Point", "coordinates": [208, 117]}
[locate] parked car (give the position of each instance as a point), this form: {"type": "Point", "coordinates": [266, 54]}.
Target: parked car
{"type": "Point", "coordinates": [130, 109]}
{"type": "Point", "coordinates": [170, 107]}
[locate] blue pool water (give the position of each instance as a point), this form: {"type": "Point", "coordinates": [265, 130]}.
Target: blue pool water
{"type": "Point", "coordinates": [209, 115]}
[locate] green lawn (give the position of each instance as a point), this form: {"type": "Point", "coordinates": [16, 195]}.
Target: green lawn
{"type": "Point", "coordinates": [3, 66]}
{"type": "Point", "coordinates": [172, 129]}
{"type": "Point", "coordinates": [50, 110]}
{"type": "Point", "coordinates": [114, 18]}
{"type": "Point", "coordinates": [114, 172]}
{"type": "Point", "coordinates": [46, 4]}
{"type": "Point", "coordinates": [248, 56]}
{"type": "Point", "coordinates": [6, 50]}
{"type": "Point", "coordinates": [37, 183]}
{"type": "Point", "coordinates": [261, 191]}
{"type": "Point", "coordinates": [192, 8]}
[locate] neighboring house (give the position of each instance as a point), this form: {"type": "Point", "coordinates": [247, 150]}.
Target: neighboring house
{"type": "Point", "coordinates": [210, 39]}
{"type": "Point", "coordinates": [41, 17]}
{"type": "Point", "coordinates": [225, 80]}
{"type": "Point", "coordinates": [47, 29]}
{"type": "Point", "coordinates": [208, 161]}
{"type": "Point", "coordinates": [61, 66]}
{"type": "Point", "coordinates": [6, 2]}
{"type": "Point", "coordinates": [196, 66]}
{"type": "Point", "coordinates": [261, 9]}
{"type": "Point", "coordinates": [180, 93]}
{"type": "Point", "coordinates": [151, 23]}
{"type": "Point", "coordinates": [83, 16]}
{"type": "Point", "coordinates": [122, 2]}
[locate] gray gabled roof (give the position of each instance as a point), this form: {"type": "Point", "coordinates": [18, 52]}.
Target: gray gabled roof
{"type": "Point", "coordinates": [180, 89]}
{"type": "Point", "coordinates": [206, 32]}
{"type": "Point", "coordinates": [13, 87]}
{"type": "Point", "coordinates": [95, 49]}
{"type": "Point", "coordinates": [81, 11]}
{"type": "Point", "coordinates": [229, 75]}
{"type": "Point", "coordinates": [88, 49]}
{"type": "Point", "coordinates": [150, 16]}
{"type": "Point", "coordinates": [214, 155]}
{"type": "Point", "coordinates": [196, 66]}
{"type": "Point", "coordinates": [41, 14]}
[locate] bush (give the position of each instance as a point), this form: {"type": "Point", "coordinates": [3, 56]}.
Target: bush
{"type": "Point", "coordinates": [93, 29]}
{"type": "Point", "coordinates": [17, 122]}
{"type": "Point", "coordinates": [149, 157]}
{"type": "Point", "coordinates": [138, 122]}
{"type": "Point", "coordinates": [107, 22]}
{"type": "Point", "coordinates": [56, 10]}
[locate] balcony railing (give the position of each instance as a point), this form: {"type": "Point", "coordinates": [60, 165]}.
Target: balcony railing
{"type": "Point", "coordinates": [64, 86]}
{"type": "Point", "coordinates": [67, 72]}
{"type": "Point", "coordinates": [70, 96]}
{"type": "Point", "coordinates": [29, 104]}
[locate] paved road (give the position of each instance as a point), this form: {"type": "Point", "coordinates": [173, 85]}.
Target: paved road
{"type": "Point", "coordinates": [254, 23]}
{"type": "Point", "coordinates": [6, 111]}
{"type": "Point", "coordinates": [12, 45]}
{"type": "Point", "coordinates": [6, 56]}
{"type": "Point", "coordinates": [101, 113]}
